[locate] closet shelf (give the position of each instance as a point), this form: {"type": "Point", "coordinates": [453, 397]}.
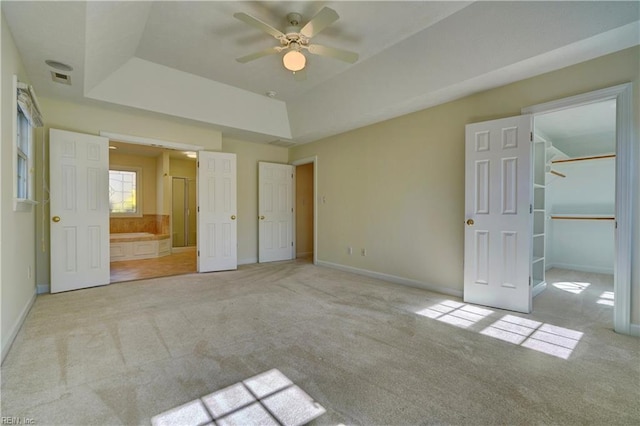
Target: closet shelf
{"type": "Point", "coordinates": [537, 185]}
{"type": "Point", "coordinates": [595, 157]}
{"type": "Point", "coordinates": [537, 259]}
{"type": "Point", "coordinates": [583, 216]}
{"type": "Point", "coordinates": [538, 235]}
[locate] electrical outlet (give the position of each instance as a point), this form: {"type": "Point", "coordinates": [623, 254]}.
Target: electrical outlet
{"type": "Point", "coordinates": [364, 252]}
{"type": "Point", "coordinates": [350, 250]}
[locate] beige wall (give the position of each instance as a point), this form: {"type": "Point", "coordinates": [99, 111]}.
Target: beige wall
{"type": "Point", "coordinates": [304, 209]}
{"type": "Point", "coordinates": [182, 168]}
{"type": "Point", "coordinates": [149, 182]}
{"type": "Point", "coordinates": [17, 229]}
{"type": "Point", "coordinates": [248, 154]}
{"type": "Point", "coordinates": [396, 188]}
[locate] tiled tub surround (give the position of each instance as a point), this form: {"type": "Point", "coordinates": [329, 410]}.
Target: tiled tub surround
{"type": "Point", "coordinates": [139, 237]}
{"type": "Point", "coordinates": [150, 223]}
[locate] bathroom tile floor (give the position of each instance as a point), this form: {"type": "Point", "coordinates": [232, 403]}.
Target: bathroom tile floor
{"type": "Point", "coordinates": [182, 262]}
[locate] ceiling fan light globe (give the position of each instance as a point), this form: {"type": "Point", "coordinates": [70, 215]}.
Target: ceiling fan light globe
{"type": "Point", "coordinates": [294, 61]}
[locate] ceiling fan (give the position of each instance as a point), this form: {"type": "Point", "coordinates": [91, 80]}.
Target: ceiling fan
{"type": "Point", "coordinates": [296, 39]}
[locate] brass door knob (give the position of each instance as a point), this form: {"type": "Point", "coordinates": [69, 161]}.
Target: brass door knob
{"type": "Point", "coordinates": [261, 217]}
{"type": "Point", "coordinates": [470, 222]}
{"type": "Point", "coordinates": [233, 217]}
{"type": "Point", "coordinates": [56, 219]}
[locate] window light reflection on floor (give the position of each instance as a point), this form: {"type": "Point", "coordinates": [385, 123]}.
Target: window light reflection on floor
{"type": "Point", "coordinates": [571, 287]}
{"type": "Point", "coordinates": [606, 298]}
{"type": "Point", "coordinates": [546, 338]}
{"type": "Point", "coordinates": [455, 313]}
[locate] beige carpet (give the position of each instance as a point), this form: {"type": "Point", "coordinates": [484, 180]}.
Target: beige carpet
{"type": "Point", "coordinates": [369, 352]}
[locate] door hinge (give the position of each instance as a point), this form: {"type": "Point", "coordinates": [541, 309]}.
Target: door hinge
{"type": "Point", "coordinates": [197, 164]}
{"type": "Point", "coordinates": [531, 136]}
{"type": "Point", "coordinates": [198, 209]}
{"type": "Point", "coordinates": [529, 281]}
{"type": "Point", "coordinates": [198, 253]}
{"type": "Point", "coordinates": [291, 243]}
{"type": "Point", "coordinates": [530, 208]}
{"type": "Point", "coordinates": [291, 175]}
{"type": "Point", "coordinates": [291, 209]}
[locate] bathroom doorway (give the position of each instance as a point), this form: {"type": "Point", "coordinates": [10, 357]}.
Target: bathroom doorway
{"type": "Point", "coordinates": [183, 212]}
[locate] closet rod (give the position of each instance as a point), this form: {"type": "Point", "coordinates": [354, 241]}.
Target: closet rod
{"type": "Point", "coordinates": [596, 157]}
{"type": "Point", "coordinates": [583, 217]}
{"type": "Point", "coordinates": [557, 173]}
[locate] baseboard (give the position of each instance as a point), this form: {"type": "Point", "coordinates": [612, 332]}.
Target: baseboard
{"type": "Point", "coordinates": [6, 345]}
{"type": "Point", "coordinates": [304, 254]}
{"type": "Point", "coordinates": [391, 278]}
{"type": "Point", "coordinates": [581, 268]}
{"type": "Point", "coordinates": [248, 261]}
{"type": "Point", "coordinates": [43, 289]}
{"type": "Point", "coordinates": [634, 330]}
{"type": "Point", "coordinates": [182, 249]}
{"type": "Point", "coordinates": [538, 289]}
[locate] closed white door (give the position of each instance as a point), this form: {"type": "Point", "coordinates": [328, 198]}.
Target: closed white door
{"type": "Point", "coordinates": [79, 183]}
{"type": "Point", "coordinates": [275, 212]}
{"type": "Point", "coordinates": [217, 239]}
{"type": "Point", "coordinates": [498, 228]}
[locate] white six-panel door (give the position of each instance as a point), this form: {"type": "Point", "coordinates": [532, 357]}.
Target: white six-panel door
{"type": "Point", "coordinates": [217, 215]}
{"type": "Point", "coordinates": [498, 227]}
{"type": "Point", "coordinates": [79, 182]}
{"type": "Point", "coordinates": [275, 212]}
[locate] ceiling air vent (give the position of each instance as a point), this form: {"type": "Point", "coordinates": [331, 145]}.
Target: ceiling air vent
{"type": "Point", "coordinates": [58, 77]}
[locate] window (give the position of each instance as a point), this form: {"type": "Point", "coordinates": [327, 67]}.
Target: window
{"type": "Point", "coordinates": [27, 118]}
{"type": "Point", "coordinates": [124, 191]}
{"type": "Point", "coordinates": [23, 145]}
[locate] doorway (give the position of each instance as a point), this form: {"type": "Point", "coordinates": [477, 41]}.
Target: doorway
{"type": "Point", "coordinates": [310, 215]}
{"type": "Point", "coordinates": [575, 252]}
{"type": "Point", "coordinates": [304, 211]}
{"type": "Point", "coordinates": [183, 212]}
{"type": "Point", "coordinates": [625, 164]}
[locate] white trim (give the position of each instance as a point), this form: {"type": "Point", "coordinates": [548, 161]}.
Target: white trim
{"type": "Point", "coordinates": [581, 268]}
{"type": "Point", "coordinates": [138, 140]}
{"type": "Point", "coordinates": [634, 330]}
{"type": "Point", "coordinates": [248, 261]}
{"type": "Point", "coordinates": [392, 278]}
{"type": "Point", "coordinates": [538, 289]}
{"type": "Point", "coordinates": [43, 289]}
{"type": "Point", "coordinates": [17, 326]}
{"type": "Point", "coordinates": [300, 162]}
{"type": "Point", "coordinates": [626, 163]}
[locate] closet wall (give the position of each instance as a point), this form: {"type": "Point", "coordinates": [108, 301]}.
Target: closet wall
{"type": "Point", "coordinates": [580, 212]}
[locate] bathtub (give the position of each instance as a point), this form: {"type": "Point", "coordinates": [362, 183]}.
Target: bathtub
{"type": "Point", "coordinates": [138, 245]}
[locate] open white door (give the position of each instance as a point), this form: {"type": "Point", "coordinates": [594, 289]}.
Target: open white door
{"type": "Point", "coordinates": [498, 229]}
{"type": "Point", "coordinates": [275, 212]}
{"type": "Point", "coordinates": [217, 225]}
{"type": "Point", "coordinates": [79, 184]}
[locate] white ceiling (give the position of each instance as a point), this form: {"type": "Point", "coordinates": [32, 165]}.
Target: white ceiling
{"type": "Point", "coordinates": [178, 58]}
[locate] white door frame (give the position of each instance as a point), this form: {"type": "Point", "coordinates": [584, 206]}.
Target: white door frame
{"type": "Point", "coordinates": [301, 162]}
{"type": "Point", "coordinates": [626, 163]}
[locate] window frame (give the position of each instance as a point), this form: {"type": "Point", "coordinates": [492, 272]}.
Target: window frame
{"type": "Point", "coordinates": [139, 193]}
{"type": "Point", "coordinates": [23, 189]}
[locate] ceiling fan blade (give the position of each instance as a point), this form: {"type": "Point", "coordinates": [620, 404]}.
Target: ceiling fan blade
{"type": "Point", "coordinates": [300, 75]}
{"type": "Point", "coordinates": [256, 55]}
{"type": "Point", "coordinates": [343, 55]}
{"type": "Point", "coordinates": [322, 20]}
{"type": "Point", "coordinates": [255, 22]}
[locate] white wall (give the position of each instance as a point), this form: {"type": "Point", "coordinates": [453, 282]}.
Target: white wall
{"type": "Point", "coordinates": [17, 229]}
{"type": "Point", "coordinates": [582, 245]}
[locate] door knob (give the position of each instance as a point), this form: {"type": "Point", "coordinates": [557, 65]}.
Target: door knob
{"type": "Point", "coordinates": [261, 217]}
{"type": "Point", "coordinates": [233, 217]}
{"type": "Point", "coordinates": [470, 222]}
{"type": "Point", "coordinates": [56, 219]}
